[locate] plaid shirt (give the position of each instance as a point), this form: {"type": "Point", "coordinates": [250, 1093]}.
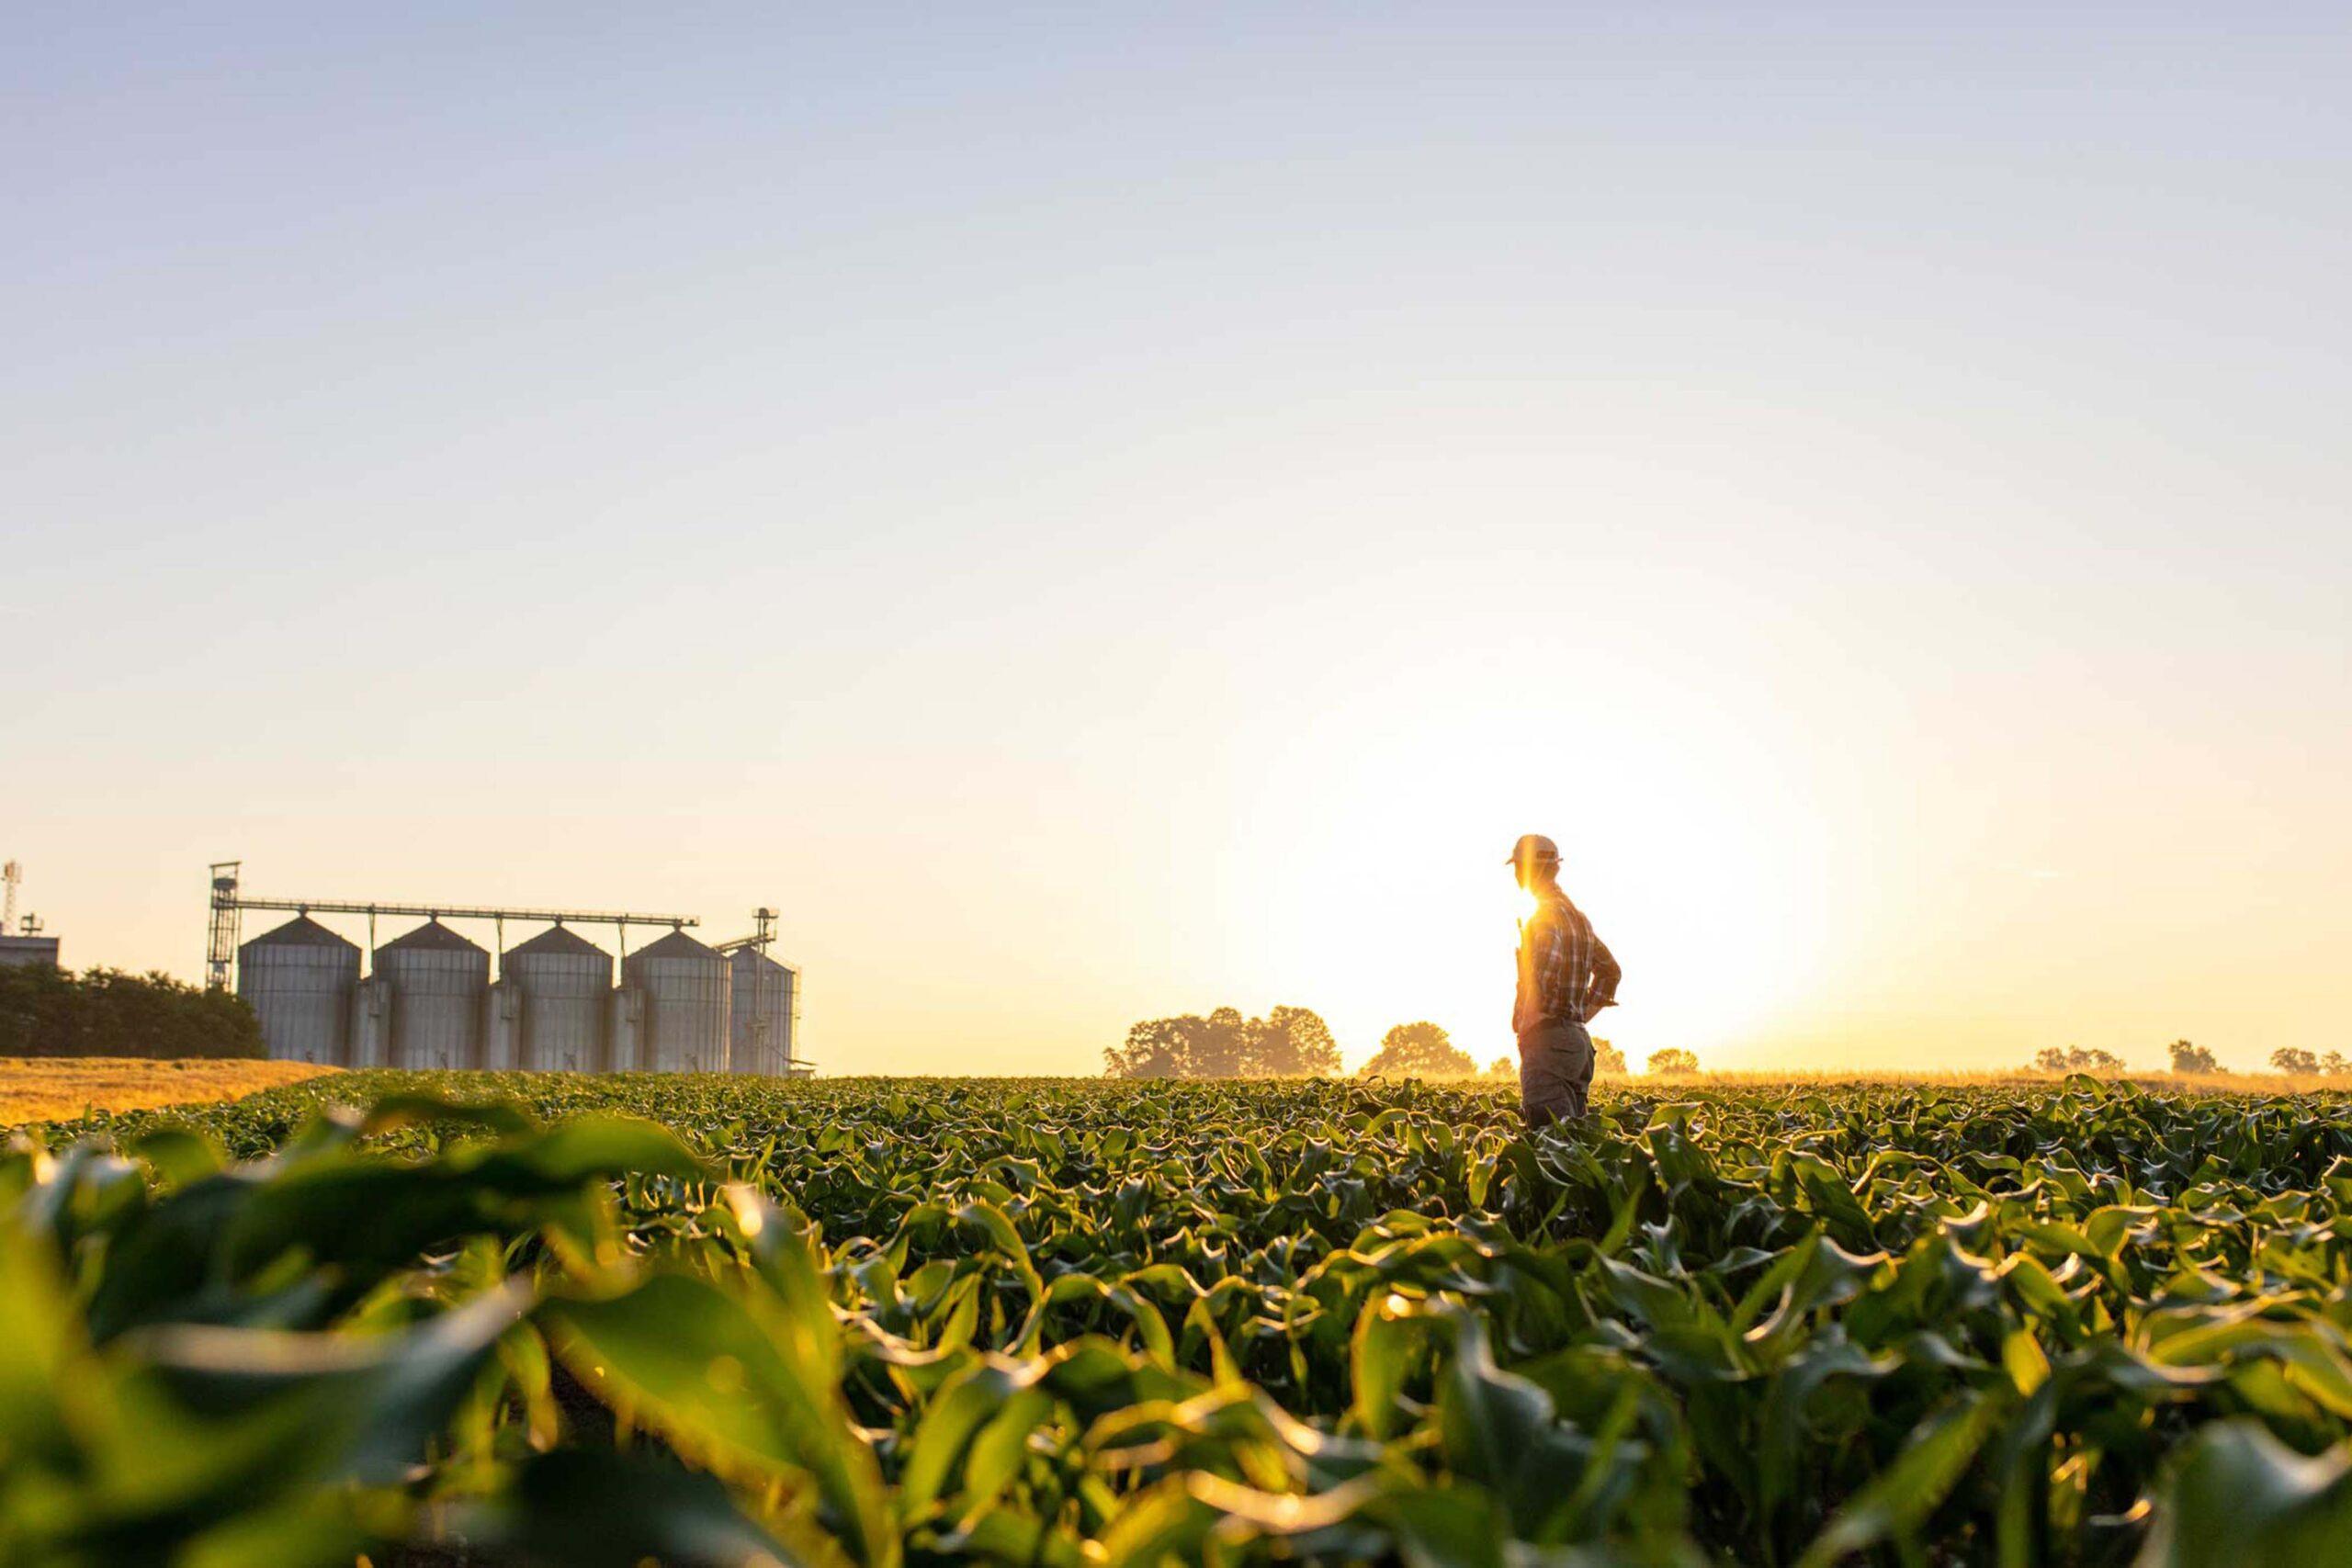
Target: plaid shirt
{"type": "Point", "coordinates": [1566, 974]}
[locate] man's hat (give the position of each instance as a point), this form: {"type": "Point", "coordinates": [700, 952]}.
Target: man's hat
{"type": "Point", "coordinates": [1536, 848]}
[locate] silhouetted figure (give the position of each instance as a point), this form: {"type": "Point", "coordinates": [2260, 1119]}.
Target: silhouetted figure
{"type": "Point", "coordinates": [1566, 976]}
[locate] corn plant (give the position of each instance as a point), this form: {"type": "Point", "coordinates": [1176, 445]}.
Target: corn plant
{"type": "Point", "coordinates": [682, 1320]}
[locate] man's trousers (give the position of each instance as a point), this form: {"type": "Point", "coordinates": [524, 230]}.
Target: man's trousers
{"type": "Point", "coordinates": [1555, 1072]}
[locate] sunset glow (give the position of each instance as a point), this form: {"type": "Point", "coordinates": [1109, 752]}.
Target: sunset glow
{"type": "Point", "coordinates": [1107, 521]}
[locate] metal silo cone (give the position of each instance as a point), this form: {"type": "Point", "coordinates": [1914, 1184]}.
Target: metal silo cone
{"type": "Point", "coordinates": [760, 1031]}
{"type": "Point", "coordinates": [438, 980]}
{"type": "Point", "coordinates": [299, 979]}
{"type": "Point", "coordinates": [567, 986]}
{"type": "Point", "coordinates": [687, 1013]}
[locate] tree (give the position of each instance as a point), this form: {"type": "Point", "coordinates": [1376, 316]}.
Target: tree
{"type": "Point", "coordinates": [2075, 1060]}
{"type": "Point", "coordinates": [46, 1012]}
{"type": "Point", "coordinates": [2188, 1058]}
{"type": "Point", "coordinates": [2333, 1063]}
{"type": "Point", "coordinates": [1673, 1060]}
{"type": "Point", "coordinates": [1155, 1048]}
{"type": "Point", "coordinates": [1290, 1042]}
{"type": "Point", "coordinates": [1221, 1045]}
{"type": "Point", "coordinates": [1418, 1050]}
{"type": "Point", "coordinates": [2288, 1059]}
{"type": "Point", "coordinates": [1503, 1067]}
{"type": "Point", "coordinates": [1607, 1058]}
{"type": "Point", "coordinates": [1287, 1042]}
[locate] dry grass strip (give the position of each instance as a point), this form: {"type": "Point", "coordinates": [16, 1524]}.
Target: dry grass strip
{"type": "Point", "coordinates": [49, 1088]}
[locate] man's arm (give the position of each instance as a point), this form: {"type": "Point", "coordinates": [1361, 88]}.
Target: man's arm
{"type": "Point", "coordinates": [1602, 990]}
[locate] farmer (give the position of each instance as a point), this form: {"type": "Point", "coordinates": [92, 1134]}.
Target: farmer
{"type": "Point", "coordinates": [1566, 977]}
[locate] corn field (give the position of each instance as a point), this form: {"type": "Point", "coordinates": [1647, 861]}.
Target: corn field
{"type": "Point", "coordinates": [704, 1321]}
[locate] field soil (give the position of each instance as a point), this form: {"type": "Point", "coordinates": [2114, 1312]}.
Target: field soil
{"type": "Point", "coordinates": [45, 1088]}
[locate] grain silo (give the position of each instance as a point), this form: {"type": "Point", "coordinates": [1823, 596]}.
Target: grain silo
{"type": "Point", "coordinates": [299, 979]}
{"type": "Point", "coordinates": [760, 1038]}
{"type": "Point", "coordinates": [438, 980]}
{"type": "Point", "coordinates": [567, 986]}
{"type": "Point", "coordinates": [688, 1016]}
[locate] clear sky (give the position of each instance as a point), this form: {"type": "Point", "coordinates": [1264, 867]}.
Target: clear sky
{"type": "Point", "coordinates": [1105, 512]}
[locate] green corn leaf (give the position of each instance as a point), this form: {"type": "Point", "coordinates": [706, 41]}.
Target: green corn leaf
{"type": "Point", "coordinates": [2239, 1499]}
{"type": "Point", "coordinates": [1896, 1504]}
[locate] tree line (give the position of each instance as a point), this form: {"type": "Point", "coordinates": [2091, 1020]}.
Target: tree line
{"type": "Point", "coordinates": [1292, 1042]}
{"type": "Point", "coordinates": [2188, 1060]}
{"type": "Point", "coordinates": [47, 1012]}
